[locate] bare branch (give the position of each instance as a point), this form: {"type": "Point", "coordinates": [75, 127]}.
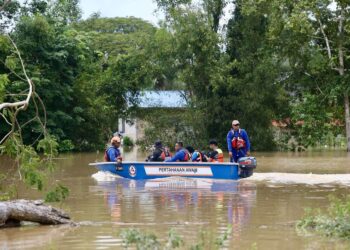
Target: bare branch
{"type": "Point", "coordinates": [326, 40]}
{"type": "Point", "coordinates": [22, 105]}
{"type": "Point", "coordinates": [4, 117]}
{"type": "Point", "coordinates": [6, 2]}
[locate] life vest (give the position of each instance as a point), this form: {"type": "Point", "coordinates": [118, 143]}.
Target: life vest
{"type": "Point", "coordinates": [106, 156]}
{"type": "Point", "coordinates": [219, 157]}
{"type": "Point", "coordinates": [197, 157]}
{"type": "Point", "coordinates": [237, 141]}
{"type": "Point", "coordinates": [166, 154]}
{"type": "Point", "coordinates": [187, 155]}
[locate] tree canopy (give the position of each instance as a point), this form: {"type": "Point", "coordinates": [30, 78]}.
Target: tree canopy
{"type": "Point", "coordinates": [272, 60]}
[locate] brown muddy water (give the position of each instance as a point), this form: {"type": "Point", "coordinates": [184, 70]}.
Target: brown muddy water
{"type": "Point", "coordinates": [262, 210]}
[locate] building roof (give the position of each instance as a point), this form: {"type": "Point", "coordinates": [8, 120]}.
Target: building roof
{"type": "Point", "coordinates": [162, 99]}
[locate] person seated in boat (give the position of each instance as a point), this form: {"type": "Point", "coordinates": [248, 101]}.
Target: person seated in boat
{"type": "Point", "coordinates": [159, 153]}
{"type": "Point", "coordinates": [181, 154]}
{"type": "Point", "coordinates": [238, 143]}
{"type": "Point", "coordinates": [216, 154]}
{"type": "Point", "coordinates": [112, 153]}
{"type": "Point", "coordinates": [198, 156]}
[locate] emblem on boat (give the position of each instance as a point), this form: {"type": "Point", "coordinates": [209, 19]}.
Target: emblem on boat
{"type": "Point", "coordinates": [132, 171]}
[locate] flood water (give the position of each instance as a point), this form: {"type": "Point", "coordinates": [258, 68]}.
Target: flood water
{"type": "Point", "coordinates": [262, 210]}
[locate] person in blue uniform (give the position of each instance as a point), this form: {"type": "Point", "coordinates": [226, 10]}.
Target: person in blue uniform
{"type": "Point", "coordinates": [112, 153]}
{"type": "Point", "coordinates": [181, 153]}
{"type": "Point", "coordinates": [238, 143]}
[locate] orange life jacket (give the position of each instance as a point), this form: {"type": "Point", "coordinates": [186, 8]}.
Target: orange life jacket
{"type": "Point", "coordinates": [166, 154]}
{"type": "Point", "coordinates": [219, 156]}
{"type": "Point", "coordinates": [237, 141]}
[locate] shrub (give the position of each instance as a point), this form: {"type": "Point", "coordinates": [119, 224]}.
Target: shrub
{"type": "Point", "coordinates": [128, 142]}
{"type": "Point", "coordinates": [66, 146]}
{"type": "Point", "coordinates": [334, 222]}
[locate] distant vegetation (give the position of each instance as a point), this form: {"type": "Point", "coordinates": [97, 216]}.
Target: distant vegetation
{"type": "Point", "coordinates": [271, 62]}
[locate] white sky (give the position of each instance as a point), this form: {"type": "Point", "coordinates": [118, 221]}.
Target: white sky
{"type": "Point", "coordinates": [122, 8]}
{"type": "Point", "coordinates": [144, 9]}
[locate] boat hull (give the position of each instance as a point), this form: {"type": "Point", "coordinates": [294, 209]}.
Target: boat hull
{"type": "Point", "coordinates": [152, 170]}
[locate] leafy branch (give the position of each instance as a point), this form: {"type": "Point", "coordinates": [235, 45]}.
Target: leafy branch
{"type": "Point", "coordinates": [32, 168]}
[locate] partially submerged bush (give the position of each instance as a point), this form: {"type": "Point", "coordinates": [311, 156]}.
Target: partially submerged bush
{"type": "Point", "coordinates": [127, 141]}
{"type": "Point", "coordinates": [334, 222]}
{"type": "Point", "coordinates": [140, 240]}
{"type": "Point", "coordinates": [31, 168]}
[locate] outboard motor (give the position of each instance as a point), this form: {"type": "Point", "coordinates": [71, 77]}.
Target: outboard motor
{"type": "Point", "coordinates": [246, 166]}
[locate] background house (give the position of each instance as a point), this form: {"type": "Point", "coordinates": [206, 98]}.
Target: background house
{"type": "Point", "coordinates": [134, 128]}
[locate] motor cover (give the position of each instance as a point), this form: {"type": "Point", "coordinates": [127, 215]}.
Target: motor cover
{"type": "Point", "coordinates": [247, 162]}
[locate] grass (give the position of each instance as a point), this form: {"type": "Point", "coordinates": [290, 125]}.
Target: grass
{"type": "Point", "coordinates": [334, 222]}
{"type": "Point", "coordinates": [134, 238]}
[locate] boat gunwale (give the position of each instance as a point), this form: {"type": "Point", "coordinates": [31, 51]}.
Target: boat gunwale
{"type": "Point", "coordinates": [170, 163]}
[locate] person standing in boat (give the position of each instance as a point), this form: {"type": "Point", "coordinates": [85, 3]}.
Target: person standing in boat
{"type": "Point", "coordinates": [181, 153]}
{"type": "Point", "coordinates": [159, 153]}
{"type": "Point", "coordinates": [238, 143]}
{"type": "Point", "coordinates": [216, 155]}
{"type": "Point", "coordinates": [112, 153]}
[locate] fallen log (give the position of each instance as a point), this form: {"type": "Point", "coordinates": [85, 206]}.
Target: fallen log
{"type": "Point", "coordinates": [13, 212]}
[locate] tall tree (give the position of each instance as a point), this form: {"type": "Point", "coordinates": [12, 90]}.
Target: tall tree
{"type": "Point", "coordinates": [305, 30]}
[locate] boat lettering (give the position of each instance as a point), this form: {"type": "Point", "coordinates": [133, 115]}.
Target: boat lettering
{"type": "Point", "coordinates": [178, 171]}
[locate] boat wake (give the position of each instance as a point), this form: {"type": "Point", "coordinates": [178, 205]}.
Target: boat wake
{"type": "Point", "coordinates": [307, 179]}
{"type": "Point", "coordinates": [105, 176]}
{"type": "Point", "coordinates": [274, 178]}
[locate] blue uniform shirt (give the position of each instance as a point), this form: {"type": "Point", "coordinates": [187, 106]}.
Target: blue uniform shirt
{"type": "Point", "coordinates": [179, 156]}
{"type": "Point", "coordinates": [241, 152]}
{"type": "Point", "coordinates": [113, 153]}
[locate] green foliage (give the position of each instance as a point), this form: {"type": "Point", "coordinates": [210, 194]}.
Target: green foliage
{"type": "Point", "coordinates": [66, 146]}
{"type": "Point", "coordinates": [314, 118]}
{"type": "Point", "coordinates": [174, 240]}
{"type": "Point", "coordinates": [8, 13]}
{"type": "Point", "coordinates": [128, 142]}
{"type": "Point", "coordinates": [3, 82]}
{"type": "Point", "coordinates": [59, 193]}
{"type": "Point", "coordinates": [312, 72]}
{"type": "Point", "coordinates": [239, 83]}
{"type": "Point", "coordinates": [33, 169]}
{"type": "Point", "coordinates": [140, 240]}
{"type": "Point", "coordinates": [335, 222]}
{"type": "Point", "coordinates": [220, 241]}
{"type": "Point", "coordinates": [48, 146]}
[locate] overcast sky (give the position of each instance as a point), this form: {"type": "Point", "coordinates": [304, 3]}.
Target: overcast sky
{"type": "Point", "coordinates": [122, 8]}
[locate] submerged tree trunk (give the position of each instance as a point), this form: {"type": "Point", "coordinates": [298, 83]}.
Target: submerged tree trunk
{"type": "Point", "coordinates": [13, 212]}
{"type": "Point", "coordinates": [347, 120]}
